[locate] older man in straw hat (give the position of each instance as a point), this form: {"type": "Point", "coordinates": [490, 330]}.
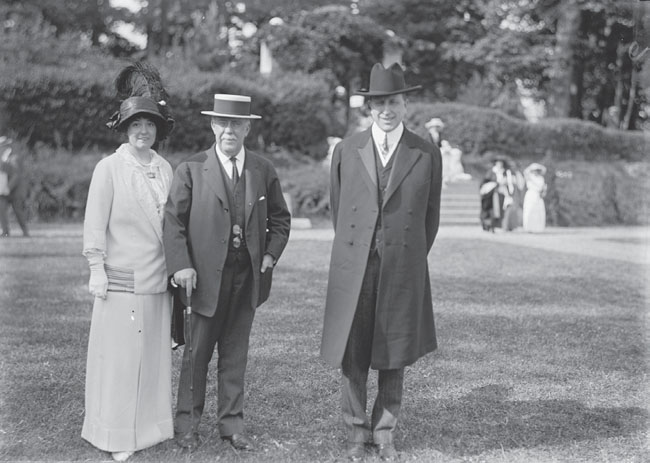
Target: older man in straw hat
{"type": "Point", "coordinates": [226, 225]}
{"type": "Point", "coordinates": [385, 200]}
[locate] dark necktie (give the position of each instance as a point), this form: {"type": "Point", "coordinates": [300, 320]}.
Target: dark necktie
{"type": "Point", "coordinates": [235, 172]}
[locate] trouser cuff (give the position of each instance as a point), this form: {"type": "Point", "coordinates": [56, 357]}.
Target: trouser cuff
{"type": "Point", "coordinates": [359, 435]}
{"type": "Point", "coordinates": [382, 437]}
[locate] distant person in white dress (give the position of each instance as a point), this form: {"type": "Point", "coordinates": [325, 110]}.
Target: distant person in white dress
{"type": "Point", "coordinates": [455, 170]}
{"type": "Point", "coordinates": [534, 220]}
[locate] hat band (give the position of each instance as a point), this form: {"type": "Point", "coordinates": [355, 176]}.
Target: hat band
{"type": "Point", "coordinates": [232, 107]}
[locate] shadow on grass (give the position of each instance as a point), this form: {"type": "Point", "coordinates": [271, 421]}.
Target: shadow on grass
{"type": "Point", "coordinates": [485, 420]}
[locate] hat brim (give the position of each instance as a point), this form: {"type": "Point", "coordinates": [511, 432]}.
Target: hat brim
{"type": "Point", "coordinates": [232, 116]}
{"type": "Point", "coordinates": [165, 126]}
{"type": "Point", "coordinates": [155, 114]}
{"type": "Point", "coordinates": [365, 92]}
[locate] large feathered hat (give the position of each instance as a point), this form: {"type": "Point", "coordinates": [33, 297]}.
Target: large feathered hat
{"type": "Point", "coordinates": [140, 91]}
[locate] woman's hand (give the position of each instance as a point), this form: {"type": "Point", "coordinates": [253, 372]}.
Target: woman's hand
{"type": "Point", "coordinates": [98, 284]}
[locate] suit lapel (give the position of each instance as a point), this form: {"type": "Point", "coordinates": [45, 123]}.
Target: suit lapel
{"type": "Point", "coordinates": [405, 157]}
{"type": "Point", "coordinates": [212, 170]}
{"type": "Point", "coordinates": [253, 178]}
{"type": "Point", "coordinates": [367, 155]}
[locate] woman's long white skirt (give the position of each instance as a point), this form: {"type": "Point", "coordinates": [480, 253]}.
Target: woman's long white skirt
{"type": "Point", "coordinates": [534, 212]}
{"type": "Point", "coordinates": [128, 372]}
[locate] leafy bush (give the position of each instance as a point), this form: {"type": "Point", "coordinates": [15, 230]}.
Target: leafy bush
{"type": "Point", "coordinates": [477, 130]}
{"type": "Point", "coordinates": [308, 186]}
{"type": "Point", "coordinates": [598, 193]}
{"type": "Point", "coordinates": [68, 108]}
{"type": "Point", "coordinates": [580, 193]}
{"type": "Point", "coordinates": [302, 114]}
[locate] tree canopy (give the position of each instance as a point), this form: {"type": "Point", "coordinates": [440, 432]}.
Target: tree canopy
{"type": "Point", "coordinates": [584, 59]}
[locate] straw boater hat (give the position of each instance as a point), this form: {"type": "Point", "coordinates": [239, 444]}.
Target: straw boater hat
{"type": "Point", "coordinates": [435, 122]}
{"type": "Point", "coordinates": [385, 82]}
{"type": "Point", "coordinates": [233, 106]}
{"type": "Point", "coordinates": [537, 167]}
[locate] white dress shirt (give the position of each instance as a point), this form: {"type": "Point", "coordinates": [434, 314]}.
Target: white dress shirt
{"type": "Point", "coordinates": [227, 164]}
{"type": "Point", "coordinates": [393, 139]}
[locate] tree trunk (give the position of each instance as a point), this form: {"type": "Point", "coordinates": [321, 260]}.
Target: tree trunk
{"type": "Point", "coordinates": [625, 125]}
{"type": "Point", "coordinates": [617, 107]}
{"type": "Point", "coordinates": [164, 27]}
{"type": "Point", "coordinates": [566, 77]}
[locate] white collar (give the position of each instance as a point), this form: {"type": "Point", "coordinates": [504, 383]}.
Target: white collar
{"type": "Point", "coordinates": [225, 160]}
{"type": "Point", "coordinates": [393, 136]}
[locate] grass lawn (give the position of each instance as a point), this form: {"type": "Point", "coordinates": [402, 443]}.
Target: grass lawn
{"type": "Point", "coordinates": [543, 358]}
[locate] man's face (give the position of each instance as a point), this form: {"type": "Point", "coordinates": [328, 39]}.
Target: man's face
{"type": "Point", "coordinates": [387, 111]}
{"type": "Point", "coordinates": [230, 133]}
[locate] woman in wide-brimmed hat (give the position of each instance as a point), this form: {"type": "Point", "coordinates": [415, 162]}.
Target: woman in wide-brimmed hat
{"type": "Point", "coordinates": [128, 376]}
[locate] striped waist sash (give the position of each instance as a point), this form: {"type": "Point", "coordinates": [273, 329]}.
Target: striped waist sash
{"type": "Point", "coordinates": [120, 279]}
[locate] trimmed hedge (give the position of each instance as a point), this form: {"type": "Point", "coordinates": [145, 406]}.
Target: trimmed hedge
{"type": "Point", "coordinates": [580, 193]}
{"type": "Point", "coordinates": [477, 130]}
{"type": "Point", "coordinates": [65, 108]}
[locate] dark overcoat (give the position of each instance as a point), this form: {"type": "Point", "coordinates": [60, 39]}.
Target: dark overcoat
{"type": "Point", "coordinates": [197, 226]}
{"type": "Point", "coordinates": [404, 326]}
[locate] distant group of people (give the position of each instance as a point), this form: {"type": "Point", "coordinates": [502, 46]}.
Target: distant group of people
{"type": "Point", "coordinates": [211, 233]}
{"type": "Point", "coordinates": [512, 199]}
{"type": "Point", "coordinates": [13, 187]}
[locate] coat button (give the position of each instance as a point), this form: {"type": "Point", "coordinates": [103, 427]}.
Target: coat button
{"type": "Point", "coordinates": [351, 225]}
{"type": "Point", "coordinates": [354, 208]}
{"type": "Point", "coordinates": [406, 228]}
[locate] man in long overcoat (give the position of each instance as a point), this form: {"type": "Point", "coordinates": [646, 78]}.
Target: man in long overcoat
{"type": "Point", "coordinates": [385, 203]}
{"type": "Point", "coordinates": [226, 225]}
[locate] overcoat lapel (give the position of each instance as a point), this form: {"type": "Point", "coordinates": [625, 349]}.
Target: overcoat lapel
{"type": "Point", "coordinates": [367, 155]}
{"type": "Point", "coordinates": [212, 170]}
{"type": "Point", "coordinates": [404, 159]}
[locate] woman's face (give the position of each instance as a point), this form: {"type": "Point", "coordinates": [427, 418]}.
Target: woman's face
{"type": "Point", "coordinates": [142, 133]}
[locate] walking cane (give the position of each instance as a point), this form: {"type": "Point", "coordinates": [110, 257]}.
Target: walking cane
{"type": "Point", "coordinates": [188, 343]}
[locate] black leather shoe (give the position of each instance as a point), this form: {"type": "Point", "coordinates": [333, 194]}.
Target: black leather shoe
{"type": "Point", "coordinates": [239, 442]}
{"type": "Point", "coordinates": [355, 451]}
{"type": "Point", "coordinates": [189, 440]}
{"type": "Point", "coordinates": [387, 452]}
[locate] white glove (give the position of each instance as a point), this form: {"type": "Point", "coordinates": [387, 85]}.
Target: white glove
{"type": "Point", "coordinates": [98, 283]}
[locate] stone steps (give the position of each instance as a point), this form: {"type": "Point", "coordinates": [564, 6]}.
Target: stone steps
{"type": "Point", "coordinates": [460, 204]}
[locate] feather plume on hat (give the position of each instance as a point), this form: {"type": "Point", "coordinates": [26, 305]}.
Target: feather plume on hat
{"type": "Point", "coordinates": [140, 90]}
{"type": "Point", "coordinates": [140, 79]}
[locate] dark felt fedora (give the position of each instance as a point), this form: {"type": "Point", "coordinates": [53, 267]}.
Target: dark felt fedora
{"type": "Point", "coordinates": [233, 106]}
{"type": "Point", "coordinates": [384, 82]}
{"type": "Point", "coordinates": [136, 105]}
